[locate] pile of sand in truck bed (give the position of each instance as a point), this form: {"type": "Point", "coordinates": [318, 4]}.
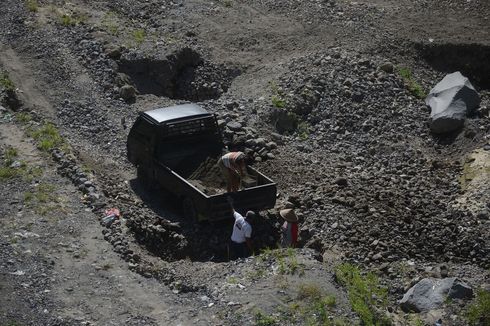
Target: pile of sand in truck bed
{"type": "Point", "coordinates": [208, 177]}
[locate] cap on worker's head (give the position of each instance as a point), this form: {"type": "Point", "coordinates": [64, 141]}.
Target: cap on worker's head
{"type": "Point", "coordinates": [289, 215]}
{"type": "Point", "coordinates": [250, 214]}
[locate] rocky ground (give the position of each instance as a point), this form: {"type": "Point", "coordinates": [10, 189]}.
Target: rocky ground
{"type": "Point", "coordinates": [311, 90]}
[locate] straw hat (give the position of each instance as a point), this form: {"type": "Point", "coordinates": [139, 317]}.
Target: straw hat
{"type": "Point", "coordinates": [289, 215]}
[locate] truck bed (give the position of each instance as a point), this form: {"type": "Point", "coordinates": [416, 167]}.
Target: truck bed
{"type": "Point", "coordinates": [214, 206]}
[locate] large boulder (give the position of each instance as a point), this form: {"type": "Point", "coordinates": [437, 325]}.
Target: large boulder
{"type": "Point", "coordinates": [451, 100]}
{"type": "Point", "coordinates": [430, 293]}
{"type": "Point", "coordinates": [284, 120]}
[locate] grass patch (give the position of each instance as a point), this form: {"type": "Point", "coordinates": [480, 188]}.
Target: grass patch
{"type": "Point", "coordinates": [7, 171]}
{"type": "Point", "coordinates": [227, 3]}
{"type": "Point", "coordinates": [47, 137]}
{"type": "Point", "coordinates": [232, 280]}
{"type": "Point", "coordinates": [32, 5]}
{"type": "Point", "coordinates": [411, 84]}
{"type": "Point", "coordinates": [23, 117]}
{"type": "Point", "coordinates": [303, 130]}
{"type": "Point", "coordinates": [317, 303]}
{"type": "Point", "coordinates": [479, 311]}
{"type": "Point", "coordinates": [110, 23]}
{"type": "Point", "coordinates": [139, 36]}
{"type": "Point", "coordinates": [42, 199]}
{"type": "Point", "coordinates": [10, 170]}
{"type": "Point", "coordinates": [311, 307]}
{"type": "Point", "coordinates": [6, 82]}
{"type": "Point", "coordinates": [261, 319]}
{"type": "Point", "coordinates": [366, 295]}
{"type": "Point", "coordinates": [68, 18]}
{"type": "Point", "coordinates": [286, 260]}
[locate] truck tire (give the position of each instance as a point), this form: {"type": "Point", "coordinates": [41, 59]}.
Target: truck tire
{"type": "Point", "coordinates": [145, 177]}
{"type": "Point", "coordinates": [189, 209]}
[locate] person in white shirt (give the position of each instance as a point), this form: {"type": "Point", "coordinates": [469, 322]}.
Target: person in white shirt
{"type": "Point", "coordinates": [241, 235]}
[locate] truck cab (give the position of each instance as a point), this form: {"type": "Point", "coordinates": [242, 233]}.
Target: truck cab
{"type": "Point", "coordinates": [176, 136]}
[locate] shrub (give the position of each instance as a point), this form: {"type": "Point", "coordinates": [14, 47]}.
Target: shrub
{"type": "Point", "coordinates": [32, 5]}
{"type": "Point", "coordinates": [278, 102]}
{"type": "Point", "coordinates": [6, 171]}
{"type": "Point", "coordinates": [23, 117]}
{"type": "Point", "coordinates": [262, 319]}
{"type": "Point", "coordinates": [6, 82]}
{"type": "Point", "coordinates": [479, 311]}
{"type": "Point", "coordinates": [70, 19]}
{"type": "Point", "coordinates": [365, 294]}
{"type": "Point", "coordinates": [315, 304]}
{"type": "Point", "coordinates": [303, 130]}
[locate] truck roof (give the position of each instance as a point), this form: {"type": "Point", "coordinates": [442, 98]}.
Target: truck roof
{"type": "Point", "coordinates": [176, 112]}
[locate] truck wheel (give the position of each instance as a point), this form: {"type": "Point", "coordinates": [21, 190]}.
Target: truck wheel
{"type": "Point", "coordinates": [189, 209]}
{"type": "Point", "coordinates": [145, 177]}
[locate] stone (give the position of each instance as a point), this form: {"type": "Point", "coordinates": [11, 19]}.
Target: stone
{"type": "Point", "coordinates": [127, 92]}
{"type": "Point", "coordinates": [357, 97]}
{"type": "Point", "coordinates": [234, 126]}
{"type": "Point", "coordinates": [113, 52]}
{"type": "Point", "coordinates": [429, 294]}
{"type": "Point", "coordinates": [283, 120]}
{"type": "Point", "coordinates": [450, 101]}
{"type": "Point", "coordinates": [341, 182]}
{"type": "Point", "coordinates": [386, 67]}
{"type": "Point", "coordinates": [377, 256]}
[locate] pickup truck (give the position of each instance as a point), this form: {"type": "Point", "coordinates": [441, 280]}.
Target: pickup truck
{"type": "Point", "coordinates": [168, 144]}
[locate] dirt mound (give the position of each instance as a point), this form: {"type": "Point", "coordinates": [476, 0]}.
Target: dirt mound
{"type": "Point", "coordinates": [181, 75]}
{"type": "Point", "coordinates": [208, 177]}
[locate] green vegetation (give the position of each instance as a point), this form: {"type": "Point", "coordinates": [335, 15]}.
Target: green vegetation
{"type": "Point", "coordinates": [23, 117]}
{"type": "Point", "coordinates": [479, 310]}
{"type": "Point", "coordinates": [311, 307]}
{"type": "Point", "coordinates": [139, 36]}
{"type": "Point", "coordinates": [32, 5]}
{"type": "Point", "coordinates": [47, 137]}
{"type": "Point", "coordinates": [69, 19]}
{"type": "Point", "coordinates": [278, 96]}
{"type": "Point", "coordinates": [365, 294]}
{"type": "Point", "coordinates": [412, 85]}
{"type": "Point", "coordinates": [278, 102]}
{"type": "Point", "coordinates": [110, 23]}
{"type": "Point", "coordinates": [316, 304]}
{"type": "Point", "coordinates": [6, 82]}
{"type": "Point", "coordinates": [232, 280]}
{"type": "Point", "coordinates": [286, 260]}
{"type": "Point", "coordinates": [8, 171]}
{"type": "Point", "coordinates": [227, 3]}
{"type": "Point", "coordinates": [43, 198]}
{"type": "Point", "coordinates": [303, 130]}
{"type": "Point", "coordinates": [262, 319]}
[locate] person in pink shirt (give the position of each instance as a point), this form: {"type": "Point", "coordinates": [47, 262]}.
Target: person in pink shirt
{"type": "Point", "coordinates": [234, 168]}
